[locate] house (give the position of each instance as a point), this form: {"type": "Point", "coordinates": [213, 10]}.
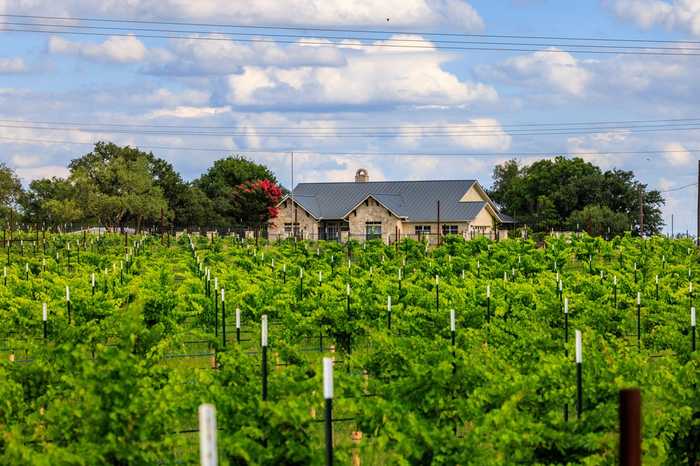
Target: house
{"type": "Point", "coordinates": [389, 210]}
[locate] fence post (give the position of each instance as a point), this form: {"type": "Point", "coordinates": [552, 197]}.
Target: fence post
{"type": "Point", "coordinates": [630, 427]}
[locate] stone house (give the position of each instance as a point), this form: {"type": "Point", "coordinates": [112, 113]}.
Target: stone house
{"type": "Point", "coordinates": [389, 210]}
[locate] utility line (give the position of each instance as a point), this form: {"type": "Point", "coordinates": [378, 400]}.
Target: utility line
{"type": "Point", "coordinates": [390, 40]}
{"type": "Point", "coordinates": [679, 188]}
{"type": "Point", "coordinates": [426, 134]}
{"type": "Point", "coordinates": [344, 30]}
{"type": "Point", "coordinates": [287, 150]}
{"type": "Point", "coordinates": [402, 127]}
{"type": "Point", "coordinates": [581, 50]}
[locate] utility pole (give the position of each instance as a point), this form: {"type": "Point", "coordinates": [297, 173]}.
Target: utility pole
{"type": "Point", "coordinates": [294, 205]}
{"type": "Point", "coordinates": [697, 236]}
{"type": "Point", "coordinates": [672, 235]}
{"type": "Point", "coordinates": [641, 211]}
{"type": "Point", "coordinates": [438, 223]}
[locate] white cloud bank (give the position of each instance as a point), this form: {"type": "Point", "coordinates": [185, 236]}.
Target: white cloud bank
{"type": "Point", "coordinates": [677, 14]}
{"type": "Point", "coordinates": [400, 13]}
{"type": "Point", "coordinates": [12, 65]}
{"type": "Point", "coordinates": [559, 70]}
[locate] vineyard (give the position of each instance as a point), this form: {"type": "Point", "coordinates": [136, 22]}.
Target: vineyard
{"type": "Point", "coordinates": [460, 354]}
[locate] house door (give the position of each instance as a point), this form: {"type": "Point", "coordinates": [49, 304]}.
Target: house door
{"type": "Point", "coordinates": [331, 232]}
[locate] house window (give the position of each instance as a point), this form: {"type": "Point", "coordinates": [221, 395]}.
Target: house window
{"type": "Point", "coordinates": [373, 230]}
{"type": "Point", "coordinates": [288, 227]}
{"type": "Point", "coordinates": [449, 230]}
{"type": "Point", "coordinates": [422, 230]}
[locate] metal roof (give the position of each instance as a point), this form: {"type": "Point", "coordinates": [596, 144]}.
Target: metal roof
{"type": "Point", "coordinates": [414, 200]}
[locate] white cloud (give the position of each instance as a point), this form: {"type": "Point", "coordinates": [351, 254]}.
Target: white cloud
{"type": "Point", "coordinates": [677, 155]}
{"type": "Point", "coordinates": [677, 14]}
{"type": "Point", "coordinates": [555, 69]}
{"type": "Point", "coordinates": [12, 65]}
{"type": "Point", "coordinates": [115, 49]}
{"type": "Point", "coordinates": [187, 112]}
{"type": "Point", "coordinates": [370, 77]}
{"type": "Point", "coordinates": [206, 57]}
{"type": "Point", "coordinates": [474, 134]}
{"type": "Point", "coordinates": [25, 160]}
{"type": "Point", "coordinates": [27, 175]}
{"type": "Point", "coordinates": [401, 13]}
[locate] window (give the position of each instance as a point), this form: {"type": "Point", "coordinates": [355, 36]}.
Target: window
{"type": "Point", "coordinates": [373, 230]}
{"type": "Point", "coordinates": [449, 230]}
{"type": "Point", "coordinates": [422, 230]}
{"type": "Point", "coordinates": [288, 227]}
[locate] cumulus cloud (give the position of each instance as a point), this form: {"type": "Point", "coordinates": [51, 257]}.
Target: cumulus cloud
{"type": "Point", "coordinates": [26, 175]}
{"type": "Point", "coordinates": [677, 14]}
{"type": "Point", "coordinates": [115, 49]}
{"type": "Point", "coordinates": [372, 76]}
{"type": "Point", "coordinates": [677, 155]}
{"type": "Point", "coordinates": [400, 13]}
{"type": "Point", "coordinates": [474, 134]}
{"type": "Point", "coordinates": [12, 65]}
{"type": "Point", "coordinates": [557, 69]}
{"type": "Point", "coordinates": [220, 56]}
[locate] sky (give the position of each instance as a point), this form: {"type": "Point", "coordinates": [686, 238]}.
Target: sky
{"type": "Point", "coordinates": [401, 113]}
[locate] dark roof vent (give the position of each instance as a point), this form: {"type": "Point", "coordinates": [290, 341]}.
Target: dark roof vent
{"type": "Point", "coordinates": [361, 176]}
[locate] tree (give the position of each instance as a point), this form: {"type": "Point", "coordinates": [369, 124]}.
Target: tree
{"type": "Point", "coordinates": [220, 181]}
{"type": "Point", "coordinates": [256, 202]}
{"type": "Point", "coordinates": [546, 193]}
{"type": "Point", "coordinates": [115, 186]}
{"type": "Point", "coordinates": [598, 220]}
{"type": "Point", "coordinates": [10, 191]}
{"type": "Point", "coordinates": [51, 201]}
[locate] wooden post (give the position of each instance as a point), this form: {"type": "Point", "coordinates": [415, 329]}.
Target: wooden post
{"type": "Point", "coordinates": [356, 439]}
{"type": "Point", "coordinates": [630, 427]}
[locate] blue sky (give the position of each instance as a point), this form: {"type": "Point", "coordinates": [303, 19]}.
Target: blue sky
{"type": "Point", "coordinates": [312, 90]}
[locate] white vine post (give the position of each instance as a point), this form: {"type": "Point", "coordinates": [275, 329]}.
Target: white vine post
{"type": "Point", "coordinates": [207, 435]}
{"type": "Point", "coordinates": [328, 397]}
{"type": "Point", "coordinates": [45, 318]}
{"type": "Point", "coordinates": [692, 329]}
{"type": "Point", "coordinates": [579, 377]}
{"type": "Point", "coordinates": [388, 310]}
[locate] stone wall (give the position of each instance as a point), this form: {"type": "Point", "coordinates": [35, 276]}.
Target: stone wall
{"type": "Point", "coordinates": [308, 226]}
{"type": "Point", "coordinates": [372, 211]}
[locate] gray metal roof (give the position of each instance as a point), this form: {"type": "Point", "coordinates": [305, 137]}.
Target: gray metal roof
{"type": "Point", "coordinates": [414, 200]}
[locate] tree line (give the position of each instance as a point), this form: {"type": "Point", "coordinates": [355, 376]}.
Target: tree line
{"type": "Point", "coordinates": [116, 186]}
{"type": "Point", "coordinates": [573, 194]}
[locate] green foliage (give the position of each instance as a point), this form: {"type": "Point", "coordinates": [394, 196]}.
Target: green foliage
{"type": "Point", "coordinates": [121, 383]}
{"type": "Point", "coordinates": [554, 193]}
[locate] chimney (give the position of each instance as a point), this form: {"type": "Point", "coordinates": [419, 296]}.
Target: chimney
{"type": "Point", "coordinates": [361, 176]}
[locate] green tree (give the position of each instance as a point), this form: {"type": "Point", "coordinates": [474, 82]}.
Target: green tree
{"type": "Point", "coordinates": [546, 193]}
{"type": "Point", "coordinates": [115, 186]}
{"type": "Point", "coordinates": [10, 191]}
{"type": "Point", "coordinates": [598, 220]}
{"type": "Point", "coordinates": [220, 181]}
{"type": "Point", "coordinates": [51, 201]}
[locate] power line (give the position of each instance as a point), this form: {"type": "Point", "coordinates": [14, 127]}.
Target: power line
{"type": "Point", "coordinates": [385, 41]}
{"type": "Point", "coordinates": [344, 30]}
{"type": "Point", "coordinates": [515, 126]}
{"type": "Point", "coordinates": [678, 188]}
{"type": "Point", "coordinates": [365, 135]}
{"type": "Point", "coordinates": [546, 48]}
{"type": "Point", "coordinates": [287, 150]}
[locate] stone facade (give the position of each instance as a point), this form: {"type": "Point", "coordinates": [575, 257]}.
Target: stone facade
{"type": "Point", "coordinates": [372, 211]}
{"type": "Point", "coordinates": [308, 226]}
